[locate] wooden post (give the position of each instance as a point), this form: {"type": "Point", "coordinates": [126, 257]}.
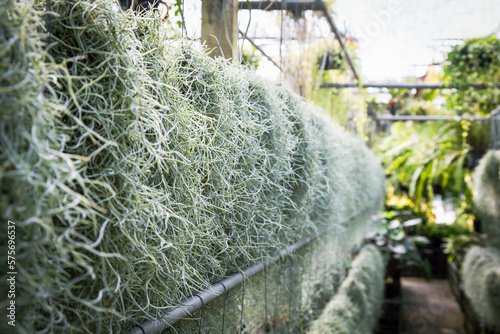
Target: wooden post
{"type": "Point", "coordinates": [212, 19]}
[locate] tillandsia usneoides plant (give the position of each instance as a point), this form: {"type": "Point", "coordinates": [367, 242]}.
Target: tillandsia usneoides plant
{"type": "Point", "coordinates": [487, 195]}
{"type": "Point", "coordinates": [139, 170]}
{"type": "Point", "coordinates": [481, 273]}
{"type": "Point", "coordinates": [356, 307]}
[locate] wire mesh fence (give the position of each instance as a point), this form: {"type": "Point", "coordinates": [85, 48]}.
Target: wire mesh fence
{"type": "Point", "coordinates": [495, 129]}
{"type": "Point", "coordinates": [283, 297]}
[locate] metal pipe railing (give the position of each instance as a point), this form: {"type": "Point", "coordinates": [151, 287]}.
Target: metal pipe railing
{"type": "Point", "coordinates": [411, 85]}
{"type": "Point", "coordinates": [279, 5]}
{"type": "Point", "coordinates": [425, 118]}
{"type": "Point", "coordinates": [198, 300]}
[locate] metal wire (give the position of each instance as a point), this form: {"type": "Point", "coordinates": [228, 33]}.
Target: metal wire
{"type": "Point", "coordinates": [242, 300]}
{"type": "Point", "coordinates": [156, 326]}
{"type": "Point", "coordinates": [281, 39]}
{"type": "Point", "coordinates": [246, 32]}
{"type": "Point", "coordinates": [142, 329]}
{"type": "Point", "coordinates": [323, 65]}
{"type": "Point", "coordinates": [265, 300]}
{"type": "Point", "coordinates": [202, 311]}
{"type": "Point", "coordinates": [224, 309]}
{"type": "Point", "coordinates": [277, 290]}
{"type": "Point", "coordinates": [296, 24]}
{"type": "Point", "coordinates": [221, 25]}
{"type": "Point", "coordinates": [291, 280]}
{"type": "Point", "coordinates": [183, 25]}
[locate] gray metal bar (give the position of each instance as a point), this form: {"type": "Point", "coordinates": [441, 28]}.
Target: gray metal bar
{"type": "Point", "coordinates": [494, 120]}
{"type": "Point", "coordinates": [190, 305]}
{"type": "Point", "coordinates": [409, 85]}
{"type": "Point", "coordinates": [322, 67]}
{"type": "Point", "coordinates": [493, 140]}
{"type": "Point", "coordinates": [276, 5]}
{"type": "Point", "coordinates": [422, 118]}
{"type": "Point", "coordinates": [333, 27]}
{"type": "Point", "coordinates": [258, 48]}
{"type": "Point", "coordinates": [193, 303]}
{"type": "Point", "coordinates": [495, 111]}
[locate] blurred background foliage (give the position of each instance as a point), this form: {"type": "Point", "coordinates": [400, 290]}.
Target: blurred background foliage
{"type": "Point", "coordinates": [323, 62]}
{"type": "Point", "coordinates": [475, 61]}
{"type": "Point", "coordinates": [430, 164]}
{"type": "Point", "coordinates": [423, 160]}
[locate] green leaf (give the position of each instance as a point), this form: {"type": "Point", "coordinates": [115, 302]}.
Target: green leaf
{"type": "Point", "coordinates": [422, 181]}
{"type": "Point", "coordinates": [412, 222]}
{"type": "Point", "coordinates": [414, 180]}
{"type": "Point", "coordinates": [394, 224]}
{"type": "Point", "coordinates": [398, 249]}
{"type": "Point", "coordinates": [420, 240]}
{"type": "Point", "coordinates": [401, 160]}
{"type": "Point", "coordinates": [396, 234]}
{"type": "Point", "coordinates": [459, 173]}
{"type": "Point", "coordinates": [447, 174]}
{"type": "Point", "coordinates": [413, 256]}
{"type": "Point", "coordinates": [426, 270]}
{"type": "Point", "coordinates": [396, 150]}
{"type": "Point", "coordinates": [389, 214]}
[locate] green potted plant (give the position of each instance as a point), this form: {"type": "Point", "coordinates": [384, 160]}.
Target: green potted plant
{"type": "Point", "coordinates": [392, 239]}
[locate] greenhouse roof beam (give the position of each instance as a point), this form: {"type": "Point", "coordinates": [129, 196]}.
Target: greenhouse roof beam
{"type": "Point", "coordinates": [258, 48]}
{"type": "Point", "coordinates": [495, 111]}
{"type": "Point", "coordinates": [297, 6]}
{"type": "Point", "coordinates": [411, 85]}
{"type": "Point", "coordinates": [329, 18]}
{"type": "Point", "coordinates": [425, 118]}
{"type": "Point", "coordinates": [286, 5]}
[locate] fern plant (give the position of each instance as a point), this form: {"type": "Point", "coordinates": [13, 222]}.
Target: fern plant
{"type": "Point", "coordinates": [419, 156]}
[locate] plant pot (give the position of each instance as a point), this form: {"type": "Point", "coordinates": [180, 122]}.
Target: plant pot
{"type": "Point", "coordinates": [390, 319]}
{"type": "Point", "coordinates": [437, 259]}
{"type": "Point", "coordinates": [392, 279]}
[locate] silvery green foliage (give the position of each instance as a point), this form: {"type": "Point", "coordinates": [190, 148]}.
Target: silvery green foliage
{"type": "Point", "coordinates": [487, 195]}
{"type": "Point", "coordinates": [481, 279]}
{"type": "Point", "coordinates": [356, 307]}
{"type": "Point", "coordinates": [139, 170]}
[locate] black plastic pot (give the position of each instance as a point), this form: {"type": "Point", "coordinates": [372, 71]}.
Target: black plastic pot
{"type": "Point", "coordinates": [393, 279]}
